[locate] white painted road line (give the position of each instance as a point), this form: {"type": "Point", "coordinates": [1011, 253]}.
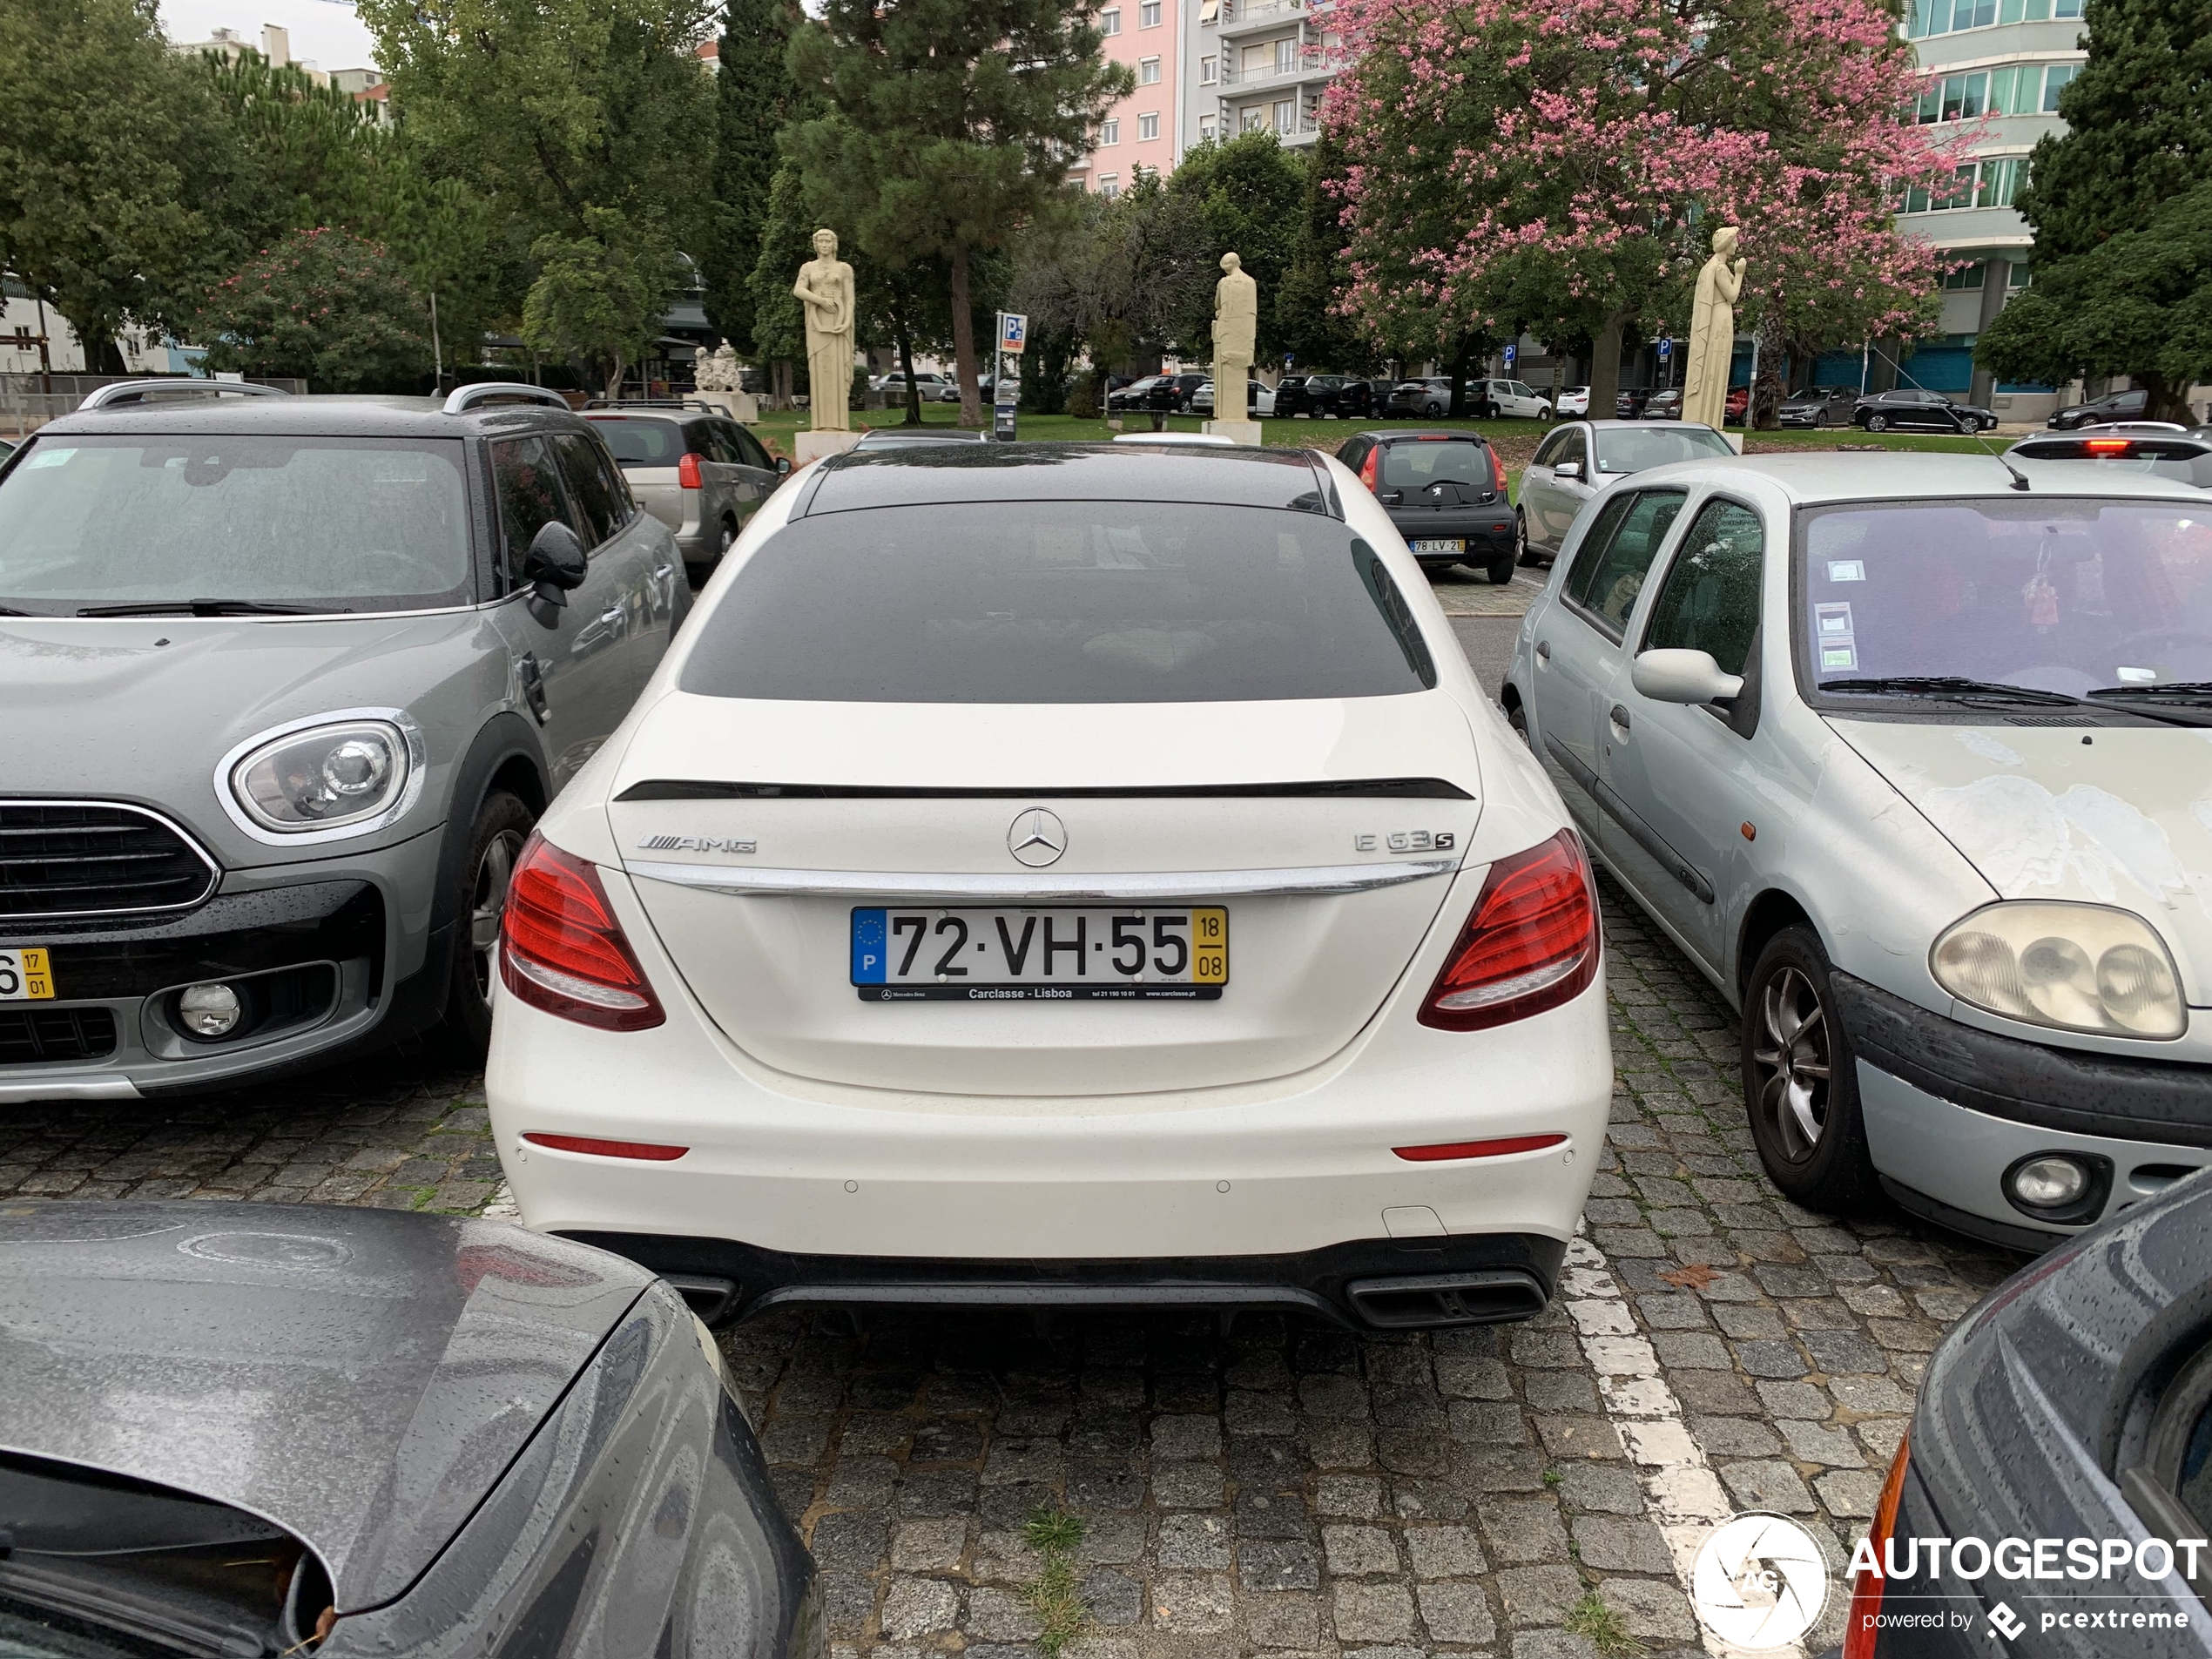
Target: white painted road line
{"type": "Point", "coordinates": [1680, 1492]}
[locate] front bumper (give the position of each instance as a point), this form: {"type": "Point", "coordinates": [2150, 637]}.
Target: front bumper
{"type": "Point", "coordinates": [324, 956]}
{"type": "Point", "coordinates": [1949, 1108]}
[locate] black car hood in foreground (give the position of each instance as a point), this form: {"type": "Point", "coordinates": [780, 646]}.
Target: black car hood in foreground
{"type": "Point", "coordinates": [2034, 1411]}
{"type": "Point", "coordinates": [361, 1378]}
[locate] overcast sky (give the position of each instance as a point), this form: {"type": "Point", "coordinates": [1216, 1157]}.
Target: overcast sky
{"type": "Point", "coordinates": [324, 32]}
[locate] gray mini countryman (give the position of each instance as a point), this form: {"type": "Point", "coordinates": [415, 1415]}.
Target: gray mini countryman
{"type": "Point", "coordinates": [284, 683]}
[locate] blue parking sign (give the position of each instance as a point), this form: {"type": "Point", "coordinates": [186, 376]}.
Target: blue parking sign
{"type": "Point", "coordinates": [1511, 352]}
{"type": "Point", "coordinates": [1666, 347]}
{"type": "Point", "coordinates": [1013, 329]}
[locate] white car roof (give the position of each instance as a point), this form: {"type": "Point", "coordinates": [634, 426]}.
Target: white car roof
{"type": "Point", "coordinates": [1809, 479]}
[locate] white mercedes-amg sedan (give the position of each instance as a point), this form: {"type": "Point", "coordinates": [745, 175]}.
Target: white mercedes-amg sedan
{"type": "Point", "coordinates": [1056, 874]}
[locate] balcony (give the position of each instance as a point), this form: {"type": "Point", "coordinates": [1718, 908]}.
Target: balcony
{"type": "Point", "coordinates": [1248, 17]}
{"type": "Point", "coordinates": [1307, 63]}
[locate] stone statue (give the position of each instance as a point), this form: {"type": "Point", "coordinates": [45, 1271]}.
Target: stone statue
{"type": "Point", "coordinates": [719, 371]}
{"type": "Point", "coordinates": [1712, 332]}
{"type": "Point", "coordinates": [825, 288]}
{"type": "Point", "coordinates": [1235, 335]}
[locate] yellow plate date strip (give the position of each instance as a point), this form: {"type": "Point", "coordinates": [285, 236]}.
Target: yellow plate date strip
{"type": "Point", "coordinates": [35, 979]}
{"type": "Point", "coordinates": [1209, 946]}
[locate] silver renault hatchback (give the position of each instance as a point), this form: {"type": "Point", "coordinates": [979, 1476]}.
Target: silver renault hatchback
{"type": "Point", "coordinates": [287, 682]}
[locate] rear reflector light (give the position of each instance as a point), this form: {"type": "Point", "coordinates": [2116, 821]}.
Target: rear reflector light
{"type": "Point", "coordinates": [1367, 468]}
{"type": "Point", "coordinates": [561, 950]}
{"type": "Point", "coordinates": [2108, 446]}
{"type": "Point", "coordinates": [1498, 472]}
{"type": "Point", "coordinates": [1531, 943]}
{"type": "Point", "coordinates": [687, 473]}
{"type": "Point", "coordinates": [1492, 1149]}
{"type": "Point", "coordinates": [1860, 1634]}
{"type": "Point", "coordinates": [647, 1152]}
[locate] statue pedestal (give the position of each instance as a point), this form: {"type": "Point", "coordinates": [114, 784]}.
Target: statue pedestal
{"type": "Point", "coordinates": [812, 446]}
{"type": "Point", "coordinates": [741, 407]}
{"type": "Point", "coordinates": [1235, 431]}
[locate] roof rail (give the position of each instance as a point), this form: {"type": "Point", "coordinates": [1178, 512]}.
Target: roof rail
{"type": "Point", "coordinates": [465, 398]}
{"type": "Point", "coordinates": [102, 397]}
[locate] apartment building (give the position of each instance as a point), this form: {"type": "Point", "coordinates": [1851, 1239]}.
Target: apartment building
{"type": "Point", "coordinates": [1140, 131]}
{"type": "Point", "coordinates": [2001, 62]}
{"type": "Point", "coordinates": [1257, 64]}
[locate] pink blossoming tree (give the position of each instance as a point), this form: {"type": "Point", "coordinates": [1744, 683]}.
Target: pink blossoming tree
{"type": "Point", "coordinates": [1560, 167]}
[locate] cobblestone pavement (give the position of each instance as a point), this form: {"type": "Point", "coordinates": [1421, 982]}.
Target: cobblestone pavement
{"type": "Point", "coordinates": [1282, 1487]}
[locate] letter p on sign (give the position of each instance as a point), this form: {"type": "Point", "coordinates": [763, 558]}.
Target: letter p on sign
{"type": "Point", "coordinates": [1014, 331]}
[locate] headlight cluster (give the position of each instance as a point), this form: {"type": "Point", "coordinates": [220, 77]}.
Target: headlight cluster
{"type": "Point", "coordinates": [2074, 966]}
{"type": "Point", "coordinates": [324, 778]}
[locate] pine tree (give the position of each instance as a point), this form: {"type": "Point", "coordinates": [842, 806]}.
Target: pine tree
{"type": "Point", "coordinates": [778, 321]}
{"type": "Point", "coordinates": [753, 101]}
{"type": "Point", "coordinates": [951, 123]}
{"type": "Point", "coordinates": [2139, 126]}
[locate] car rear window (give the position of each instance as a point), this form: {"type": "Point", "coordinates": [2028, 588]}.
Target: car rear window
{"type": "Point", "coordinates": [1417, 465]}
{"type": "Point", "coordinates": [641, 441]}
{"type": "Point", "coordinates": [1061, 602]}
{"type": "Point", "coordinates": [1620, 452]}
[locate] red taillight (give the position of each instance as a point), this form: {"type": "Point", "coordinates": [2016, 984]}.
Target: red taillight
{"type": "Point", "coordinates": [1860, 1635]}
{"type": "Point", "coordinates": [1498, 1148]}
{"type": "Point", "coordinates": [561, 950]}
{"type": "Point", "coordinates": [1498, 472]}
{"type": "Point", "coordinates": [1531, 944]}
{"type": "Point", "coordinates": [1367, 466]}
{"type": "Point", "coordinates": [2108, 446]}
{"type": "Point", "coordinates": [647, 1152]}
{"type": "Point", "coordinates": [687, 473]}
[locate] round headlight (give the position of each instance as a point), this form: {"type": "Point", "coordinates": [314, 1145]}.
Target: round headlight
{"type": "Point", "coordinates": [326, 777]}
{"type": "Point", "coordinates": [2050, 1183]}
{"type": "Point", "coordinates": [2071, 967]}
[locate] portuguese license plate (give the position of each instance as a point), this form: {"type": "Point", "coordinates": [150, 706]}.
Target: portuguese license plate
{"type": "Point", "coordinates": [24, 976]}
{"type": "Point", "coordinates": [1441, 544]}
{"type": "Point", "coordinates": [915, 953]}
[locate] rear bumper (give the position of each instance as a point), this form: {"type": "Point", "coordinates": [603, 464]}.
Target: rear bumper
{"type": "Point", "coordinates": [1367, 1284]}
{"type": "Point", "coordinates": [1488, 531]}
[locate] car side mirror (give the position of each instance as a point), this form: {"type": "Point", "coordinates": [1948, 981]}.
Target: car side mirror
{"type": "Point", "coordinates": [1676, 676]}
{"type": "Point", "coordinates": [782, 466]}
{"type": "Point", "coordinates": [555, 563]}
{"type": "Point", "coordinates": [1568, 469]}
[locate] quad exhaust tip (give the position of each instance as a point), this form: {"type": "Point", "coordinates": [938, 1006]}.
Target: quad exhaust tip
{"type": "Point", "coordinates": [1492, 1296]}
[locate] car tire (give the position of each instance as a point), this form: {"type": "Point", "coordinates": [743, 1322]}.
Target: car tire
{"type": "Point", "coordinates": [1517, 717]}
{"type": "Point", "coordinates": [1523, 554]}
{"type": "Point", "coordinates": [1877, 423]}
{"type": "Point", "coordinates": [1501, 568]}
{"type": "Point", "coordinates": [1801, 1080]}
{"type": "Point", "coordinates": [496, 840]}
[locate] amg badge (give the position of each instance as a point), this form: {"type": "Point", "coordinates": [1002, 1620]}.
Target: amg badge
{"type": "Point", "coordinates": [694, 844]}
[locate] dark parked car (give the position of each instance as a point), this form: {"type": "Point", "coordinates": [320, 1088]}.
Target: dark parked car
{"type": "Point", "coordinates": [2104, 411]}
{"type": "Point", "coordinates": [1820, 406]}
{"type": "Point", "coordinates": [2075, 1404]}
{"type": "Point", "coordinates": [2167, 452]}
{"type": "Point", "coordinates": [1174, 392]}
{"type": "Point", "coordinates": [1630, 402]}
{"type": "Point", "coordinates": [1445, 491]}
{"type": "Point", "coordinates": [1909, 407]}
{"type": "Point", "coordinates": [1664, 405]}
{"type": "Point", "coordinates": [265, 1431]}
{"type": "Point", "coordinates": [1320, 395]}
{"type": "Point", "coordinates": [1133, 394]}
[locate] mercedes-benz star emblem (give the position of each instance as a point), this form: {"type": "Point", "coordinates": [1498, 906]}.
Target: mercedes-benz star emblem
{"type": "Point", "coordinates": [1037, 838]}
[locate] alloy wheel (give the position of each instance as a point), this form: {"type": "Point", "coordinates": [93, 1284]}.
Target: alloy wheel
{"type": "Point", "coordinates": [488, 904]}
{"type": "Point", "coordinates": [1791, 1057]}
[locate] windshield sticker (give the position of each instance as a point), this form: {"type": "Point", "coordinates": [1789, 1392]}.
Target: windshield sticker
{"type": "Point", "coordinates": [1847, 569]}
{"type": "Point", "coordinates": [44, 457]}
{"type": "Point", "coordinates": [1831, 626]}
{"type": "Point", "coordinates": [2042, 596]}
{"type": "Point", "coordinates": [1837, 657]}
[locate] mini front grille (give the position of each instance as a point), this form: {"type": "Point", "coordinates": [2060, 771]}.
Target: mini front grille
{"type": "Point", "coordinates": [92, 859]}
{"type": "Point", "coordinates": [28, 1035]}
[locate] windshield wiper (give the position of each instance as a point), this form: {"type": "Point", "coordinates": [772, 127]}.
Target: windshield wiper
{"type": "Point", "coordinates": [2172, 692]}
{"type": "Point", "coordinates": [1946, 685]}
{"type": "Point", "coordinates": [201, 608]}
